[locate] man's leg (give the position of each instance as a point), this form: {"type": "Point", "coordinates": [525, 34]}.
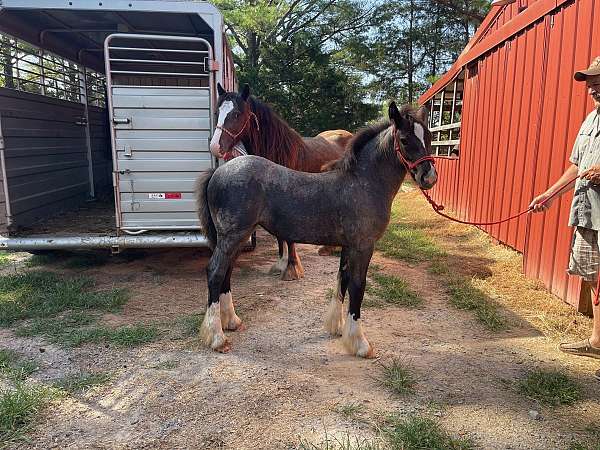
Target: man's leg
{"type": "Point", "coordinates": [585, 262]}
{"type": "Point", "coordinates": [595, 337]}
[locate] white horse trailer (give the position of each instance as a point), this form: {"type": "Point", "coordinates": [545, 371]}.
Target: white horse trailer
{"type": "Point", "coordinates": [106, 114]}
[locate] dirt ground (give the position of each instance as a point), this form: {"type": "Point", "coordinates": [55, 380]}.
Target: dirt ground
{"type": "Point", "coordinates": [284, 377]}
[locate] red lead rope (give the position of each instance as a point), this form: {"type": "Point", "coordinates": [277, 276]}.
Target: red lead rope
{"type": "Point", "coordinates": [439, 208]}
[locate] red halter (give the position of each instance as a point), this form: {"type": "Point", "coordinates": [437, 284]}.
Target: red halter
{"type": "Point", "coordinates": [409, 165]}
{"type": "Point", "coordinates": [251, 115]}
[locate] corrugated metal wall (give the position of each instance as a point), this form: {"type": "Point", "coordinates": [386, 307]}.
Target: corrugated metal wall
{"type": "Point", "coordinates": [521, 112]}
{"type": "Point", "coordinates": [46, 154]}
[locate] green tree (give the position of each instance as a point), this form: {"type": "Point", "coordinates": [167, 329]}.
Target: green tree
{"type": "Point", "coordinates": [286, 50]}
{"type": "Point", "coordinates": [412, 42]}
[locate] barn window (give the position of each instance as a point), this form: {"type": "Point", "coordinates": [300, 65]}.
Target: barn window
{"type": "Point", "coordinates": [445, 119]}
{"type": "Point", "coordinates": [24, 67]}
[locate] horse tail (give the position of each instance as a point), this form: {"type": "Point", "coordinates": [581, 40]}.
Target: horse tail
{"type": "Point", "coordinates": [206, 221]}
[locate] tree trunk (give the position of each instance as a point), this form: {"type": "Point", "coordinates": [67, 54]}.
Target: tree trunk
{"type": "Point", "coordinates": [7, 63]}
{"type": "Point", "coordinates": [253, 50]}
{"type": "Point", "coordinates": [467, 34]}
{"type": "Point", "coordinates": [410, 68]}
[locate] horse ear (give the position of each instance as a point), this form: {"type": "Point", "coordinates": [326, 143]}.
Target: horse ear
{"type": "Point", "coordinates": [245, 92]}
{"type": "Point", "coordinates": [402, 123]}
{"type": "Point", "coordinates": [393, 112]}
{"type": "Point", "coordinates": [423, 114]}
{"type": "Point", "coordinates": [220, 89]}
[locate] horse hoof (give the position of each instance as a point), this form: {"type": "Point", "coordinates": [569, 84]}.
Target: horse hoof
{"type": "Point", "coordinates": [224, 347]}
{"type": "Point", "coordinates": [369, 354]}
{"type": "Point", "coordinates": [292, 273]}
{"type": "Point", "coordinates": [231, 321]}
{"type": "Point", "coordinates": [237, 326]}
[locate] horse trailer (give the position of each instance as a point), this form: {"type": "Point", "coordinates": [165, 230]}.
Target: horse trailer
{"type": "Point", "coordinates": [106, 114]}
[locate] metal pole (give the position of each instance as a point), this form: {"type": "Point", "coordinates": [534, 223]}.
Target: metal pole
{"type": "Point", "coordinates": [5, 179]}
{"type": "Point", "coordinates": [98, 242]}
{"type": "Point", "coordinates": [84, 99]}
{"type": "Point", "coordinates": [42, 71]}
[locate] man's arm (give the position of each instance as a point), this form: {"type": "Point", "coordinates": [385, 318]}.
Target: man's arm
{"type": "Point", "coordinates": [564, 183]}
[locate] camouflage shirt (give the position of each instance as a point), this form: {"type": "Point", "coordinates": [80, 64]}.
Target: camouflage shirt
{"type": "Point", "coordinates": [585, 209]}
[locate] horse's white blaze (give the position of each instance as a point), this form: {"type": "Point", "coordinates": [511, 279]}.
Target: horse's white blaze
{"type": "Point", "coordinates": [334, 319]}
{"type": "Point", "coordinates": [229, 319]}
{"type": "Point", "coordinates": [211, 332]}
{"type": "Point", "coordinates": [224, 110]}
{"type": "Point", "coordinates": [354, 339]}
{"type": "Point", "coordinates": [420, 133]}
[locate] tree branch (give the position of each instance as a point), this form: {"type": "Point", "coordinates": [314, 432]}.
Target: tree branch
{"type": "Point", "coordinates": [464, 12]}
{"type": "Point", "coordinates": [236, 37]}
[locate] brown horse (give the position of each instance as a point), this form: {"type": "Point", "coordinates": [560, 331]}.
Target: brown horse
{"type": "Point", "coordinates": [246, 120]}
{"type": "Point", "coordinates": [338, 137]}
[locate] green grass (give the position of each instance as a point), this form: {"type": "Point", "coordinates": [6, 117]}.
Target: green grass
{"type": "Point", "coordinates": [467, 297]}
{"type": "Point", "coordinates": [345, 442]}
{"type": "Point", "coordinates": [189, 324]}
{"type": "Point", "coordinates": [45, 259]}
{"type": "Point", "coordinates": [15, 367]}
{"type": "Point", "coordinates": [45, 294]}
{"type": "Point", "coordinates": [349, 410]}
{"type": "Point", "coordinates": [550, 387]}
{"type": "Point", "coordinates": [166, 365]}
{"type": "Point", "coordinates": [18, 408]}
{"type": "Point", "coordinates": [420, 433]}
{"type": "Point", "coordinates": [132, 335]}
{"type": "Point", "coordinates": [74, 330]}
{"type": "Point", "coordinates": [581, 446]}
{"type": "Point", "coordinates": [397, 377]}
{"type": "Point", "coordinates": [4, 259]}
{"type": "Point", "coordinates": [80, 383]}
{"type": "Point", "coordinates": [439, 267]}
{"type": "Point", "coordinates": [402, 241]}
{"type": "Point", "coordinates": [393, 290]}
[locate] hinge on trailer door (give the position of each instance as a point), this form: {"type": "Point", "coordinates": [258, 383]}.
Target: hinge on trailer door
{"type": "Point", "coordinates": [127, 150]}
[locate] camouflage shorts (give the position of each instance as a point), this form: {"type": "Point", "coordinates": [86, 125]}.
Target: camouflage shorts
{"type": "Point", "coordinates": [585, 256]}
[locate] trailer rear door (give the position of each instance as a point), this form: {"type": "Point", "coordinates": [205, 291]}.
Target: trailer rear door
{"type": "Point", "coordinates": [159, 90]}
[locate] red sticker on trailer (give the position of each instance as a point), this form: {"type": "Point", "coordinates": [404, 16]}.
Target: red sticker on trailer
{"type": "Point", "coordinates": [173, 195]}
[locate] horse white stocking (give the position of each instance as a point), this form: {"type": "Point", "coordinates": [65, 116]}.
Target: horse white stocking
{"type": "Point", "coordinates": [211, 332]}
{"type": "Point", "coordinates": [281, 264]}
{"type": "Point", "coordinates": [354, 339]}
{"type": "Point", "coordinates": [334, 318]}
{"type": "Point", "coordinates": [229, 319]}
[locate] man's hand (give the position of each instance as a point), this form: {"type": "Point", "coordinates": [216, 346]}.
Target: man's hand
{"type": "Point", "coordinates": [592, 174]}
{"type": "Point", "coordinates": [541, 203]}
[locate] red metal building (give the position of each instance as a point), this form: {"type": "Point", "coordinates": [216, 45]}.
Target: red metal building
{"type": "Point", "coordinates": [505, 117]}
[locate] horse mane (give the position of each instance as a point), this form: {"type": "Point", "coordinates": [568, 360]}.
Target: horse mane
{"type": "Point", "coordinates": [275, 140]}
{"type": "Point", "coordinates": [360, 140]}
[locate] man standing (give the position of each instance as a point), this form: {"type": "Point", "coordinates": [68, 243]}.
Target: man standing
{"type": "Point", "coordinates": [585, 210]}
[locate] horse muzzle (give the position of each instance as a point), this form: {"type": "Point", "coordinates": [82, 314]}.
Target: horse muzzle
{"type": "Point", "coordinates": [237, 150]}
{"type": "Point", "coordinates": [426, 178]}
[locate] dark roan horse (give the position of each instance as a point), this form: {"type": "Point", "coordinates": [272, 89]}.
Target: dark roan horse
{"type": "Point", "coordinates": [348, 206]}
{"type": "Point", "coordinates": [243, 118]}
